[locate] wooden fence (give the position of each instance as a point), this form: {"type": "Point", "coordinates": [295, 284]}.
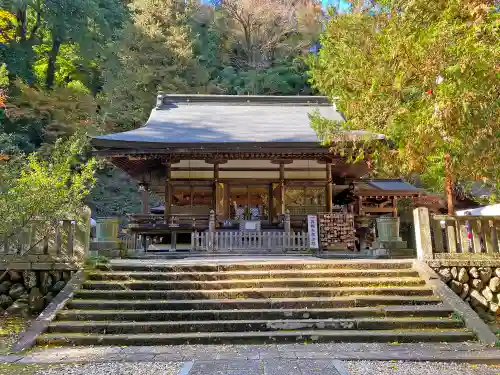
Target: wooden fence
{"type": "Point", "coordinates": [134, 242]}
{"type": "Point", "coordinates": [62, 238]}
{"type": "Point", "coordinates": [232, 240]}
{"type": "Point", "coordinates": [442, 236]}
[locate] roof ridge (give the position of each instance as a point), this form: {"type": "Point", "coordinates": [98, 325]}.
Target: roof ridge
{"type": "Point", "coordinates": [165, 100]}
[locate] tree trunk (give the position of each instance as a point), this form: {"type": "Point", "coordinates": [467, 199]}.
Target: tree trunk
{"type": "Point", "coordinates": [51, 65]}
{"type": "Point", "coordinates": [448, 184]}
{"type": "Point", "coordinates": [22, 19]}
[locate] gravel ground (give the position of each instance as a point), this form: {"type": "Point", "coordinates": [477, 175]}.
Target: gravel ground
{"type": "Point", "coordinates": [10, 328]}
{"type": "Point", "coordinates": [417, 368]}
{"type": "Point", "coordinates": [115, 368]}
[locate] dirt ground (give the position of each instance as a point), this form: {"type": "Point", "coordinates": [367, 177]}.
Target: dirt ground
{"type": "Point", "coordinates": [10, 328]}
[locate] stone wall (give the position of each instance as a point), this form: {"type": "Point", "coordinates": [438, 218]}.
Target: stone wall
{"type": "Point", "coordinates": [28, 292]}
{"type": "Point", "coordinates": [477, 285]}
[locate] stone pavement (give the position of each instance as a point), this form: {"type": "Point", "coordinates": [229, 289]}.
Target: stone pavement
{"type": "Point", "coordinates": [276, 359]}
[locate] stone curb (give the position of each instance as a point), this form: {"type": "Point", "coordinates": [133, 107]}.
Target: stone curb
{"type": "Point", "coordinates": [339, 367]}
{"type": "Point", "coordinates": [490, 357]}
{"type": "Point", "coordinates": [41, 323]}
{"type": "Point", "coordinates": [471, 319]}
{"type": "Point", "coordinates": [186, 369]}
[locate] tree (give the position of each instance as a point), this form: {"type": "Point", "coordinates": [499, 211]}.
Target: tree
{"type": "Point", "coordinates": [43, 27]}
{"type": "Point", "coordinates": [46, 189]}
{"type": "Point", "coordinates": [261, 30]}
{"type": "Point", "coordinates": [155, 53]}
{"type": "Point", "coordinates": [426, 75]}
{"type": "Point", "coordinates": [88, 22]}
{"type": "Point", "coordinates": [34, 117]}
{"type": "Point", "coordinates": [278, 48]}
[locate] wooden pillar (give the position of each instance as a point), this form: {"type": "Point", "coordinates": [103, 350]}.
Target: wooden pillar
{"type": "Point", "coordinates": [282, 188]}
{"type": "Point", "coordinates": [143, 188]}
{"type": "Point", "coordinates": [329, 188]}
{"type": "Point", "coordinates": [168, 191]}
{"type": "Point", "coordinates": [270, 203]}
{"type": "Point", "coordinates": [395, 207]}
{"type": "Point", "coordinates": [360, 206]}
{"type": "Point", "coordinates": [216, 191]}
{"type": "Point", "coordinates": [219, 192]}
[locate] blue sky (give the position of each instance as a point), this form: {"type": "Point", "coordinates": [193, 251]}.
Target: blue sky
{"type": "Point", "coordinates": [342, 4]}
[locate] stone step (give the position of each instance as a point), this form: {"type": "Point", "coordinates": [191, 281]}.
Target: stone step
{"type": "Point", "coordinates": [258, 283]}
{"type": "Point", "coordinates": [301, 336]}
{"type": "Point", "coordinates": [156, 266]}
{"type": "Point", "coordinates": [251, 325]}
{"type": "Point", "coordinates": [250, 303]}
{"type": "Point", "coordinates": [430, 311]}
{"type": "Point", "coordinates": [253, 293]}
{"type": "Point", "coordinates": [254, 274]}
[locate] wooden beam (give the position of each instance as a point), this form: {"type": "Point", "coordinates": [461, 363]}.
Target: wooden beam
{"type": "Point", "coordinates": [395, 206]}
{"type": "Point", "coordinates": [215, 161]}
{"type": "Point", "coordinates": [329, 188]}
{"type": "Point", "coordinates": [281, 161]}
{"type": "Point", "coordinates": [246, 169]}
{"type": "Point", "coordinates": [377, 210]}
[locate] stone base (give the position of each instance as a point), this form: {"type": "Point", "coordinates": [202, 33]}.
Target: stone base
{"type": "Point", "coordinates": [390, 253]}
{"type": "Point", "coordinates": [104, 245]}
{"type": "Point", "coordinates": [115, 253]}
{"type": "Point", "coordinates": [398, 244]}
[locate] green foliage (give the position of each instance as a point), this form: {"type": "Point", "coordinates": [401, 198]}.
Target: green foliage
{"type": "Point", "coordinates": [33, 117]}
{"type": "Point", "coordinates": [91, 263]}
{"type": "Point", "coordinates": [422, 73]}
{"type": "Point", "coordinates": [267, 61]}
{"type": "Point", "coordinates": [154, 54]}
{"type": "Point", "coordinates": [47, 189]}
{"type": "Point", "coordinates": [60, 58]}
{"type": "Point", "coordinates": [116, 194]}
{"type": "Point", "coordinates": [4, 76]}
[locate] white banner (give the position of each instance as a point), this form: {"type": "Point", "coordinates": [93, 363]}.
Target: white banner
{"type": "Point", "coordinates": [312, 229]}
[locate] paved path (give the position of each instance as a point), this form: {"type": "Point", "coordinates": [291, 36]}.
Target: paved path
{"type": "Point", "coordinates": [255, 367]}
{"type": "Point", "coordinates": [291, 359]}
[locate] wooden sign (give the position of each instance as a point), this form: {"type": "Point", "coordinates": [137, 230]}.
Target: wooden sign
{"type": "Point", "coordinates": [312, 228]}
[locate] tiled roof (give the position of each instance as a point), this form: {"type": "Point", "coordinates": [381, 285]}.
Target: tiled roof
{"type": "Point", "coordinates": [229, 118]}
{"type": "Point", "coordinates": [393, 185]}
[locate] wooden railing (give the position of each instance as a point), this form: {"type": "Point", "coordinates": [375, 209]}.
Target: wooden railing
{"type": "Point", "coordinates": [233, 240]}
{"type": "Point", "coordinates": [148, 222]}
{"type": "Point", "coordinates": [133, 242]}
{"type": "Point", "coordinates": [306, 210]}
{"type": "Point", "coordinates": [442, 236]}
{"type": "Point", "coordinates": [62, 238]}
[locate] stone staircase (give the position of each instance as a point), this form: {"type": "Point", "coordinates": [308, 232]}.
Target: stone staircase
{"type": "Point", "coordinates": [254, 302]}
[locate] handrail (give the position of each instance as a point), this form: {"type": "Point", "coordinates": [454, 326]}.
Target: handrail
{"type": "Point", "coordinates": [443, 236]}
{"type": "Point", "coordinates": [461, 218]}
{"type": "Point", "coordinates": [162, 217]}
{"type": "Point", "coordinates": [60, 238]}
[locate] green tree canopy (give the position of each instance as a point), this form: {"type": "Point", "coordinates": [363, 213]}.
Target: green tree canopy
{"type": "Point", "coordinates": [426, 75]}
{"type": "Point", "coordinates": [50, 188]}
{"type": "Point", "coordinates": [154, 53]}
